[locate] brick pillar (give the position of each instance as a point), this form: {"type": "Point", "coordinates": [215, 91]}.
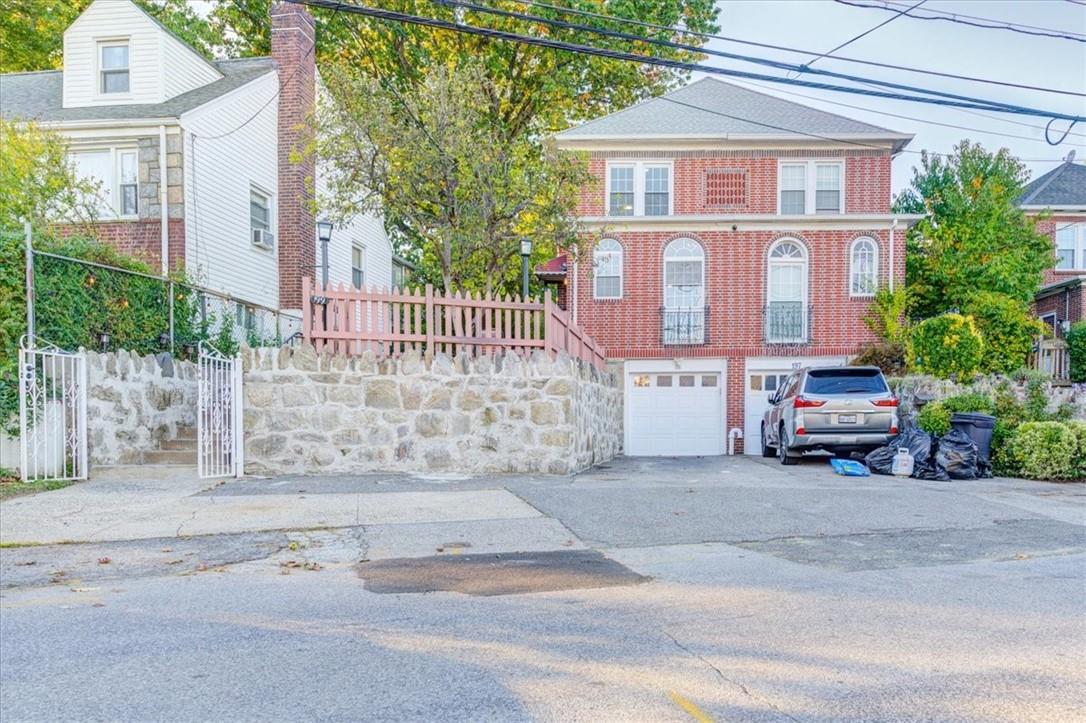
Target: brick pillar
{"type": "Point", "coordinates": [292, 36]}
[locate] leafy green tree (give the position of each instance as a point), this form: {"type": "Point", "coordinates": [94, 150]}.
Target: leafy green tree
{"type": "Point", "coordinates": [973, 237]}
{"type": "Point", "coordinates": [1008, 329]}
{"type": "Point", "coordinates": [436, 162]}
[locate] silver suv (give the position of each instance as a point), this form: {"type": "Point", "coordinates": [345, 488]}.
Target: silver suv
{"type": "Point", "coordinates": [836, 409]}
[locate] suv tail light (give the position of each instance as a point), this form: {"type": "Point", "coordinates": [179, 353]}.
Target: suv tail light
{"type": "Point", "coordinates": [891, 402]}
{"type": "Point", "coordinates": [804, 403]}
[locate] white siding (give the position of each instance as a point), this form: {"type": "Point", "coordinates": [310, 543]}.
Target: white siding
{"type": "Point", "coordinates": [366, 230]}
{"type": "Point", "coordinates": [160, 66]}
{"type": "Point", "coordinates": [111, 20]}
{"type": "Point", "coordinates": [218, 176]}
{"type": "Point", "coordinates": [182, 68]}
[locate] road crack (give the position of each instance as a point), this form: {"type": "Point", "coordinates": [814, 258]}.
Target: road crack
{"type": "Point", "coordinates": [726, 679]}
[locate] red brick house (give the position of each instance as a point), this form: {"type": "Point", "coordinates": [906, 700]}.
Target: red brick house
{"type": "Point", "coordinates": [1062, 193]}
{"type": "Point", "coordinates": [740, 236]}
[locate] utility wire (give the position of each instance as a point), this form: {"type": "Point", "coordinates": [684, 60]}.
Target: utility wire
{"type": "Point", "coordinates": [975, 21]}
{"type": "Point", "coordinates": [948, 99]}
{"type": "Point", "coordinates": [710, 36]}
{"type": "Point", "coordinates": [854, 38]}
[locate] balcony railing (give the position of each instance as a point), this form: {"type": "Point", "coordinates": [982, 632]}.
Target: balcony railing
{"type": "Point", "coordinates": [786, 322]}
{"type": "Point", "coordinates": [684, 326]}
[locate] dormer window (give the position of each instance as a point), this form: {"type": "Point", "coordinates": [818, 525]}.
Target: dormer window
{"type": "Point", "coordinates": [113, 67]}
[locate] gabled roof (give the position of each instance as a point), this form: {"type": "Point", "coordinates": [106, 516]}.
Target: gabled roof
{"type": "Point", "coordinates": [1062, 187]}
{"type": "Point", "coordinates": [554, 268]}
{"type": "Point", "coordinates": [713, 109]}
{"type": "Point", "coordinates": [39, 96]}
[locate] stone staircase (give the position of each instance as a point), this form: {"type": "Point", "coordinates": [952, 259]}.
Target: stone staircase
{"type": "Point", "coordinates": [178, 451]}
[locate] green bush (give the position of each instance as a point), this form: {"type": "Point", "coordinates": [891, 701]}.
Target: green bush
{"type": "Point", "coordinates": [1048, 450]}
{"type": "Point", "coordinates": [1008, 330]}
{"type": "Point", "coordinates": [1078, 428]}
{"type": "Point", "coordinates": [887, 356]}
{"type": "Point", "coordinates": [934, 417]}
{"type": "Point", "coordinates": [1076, 349]}
{"type": "Point", "coordinates": [946, 346]}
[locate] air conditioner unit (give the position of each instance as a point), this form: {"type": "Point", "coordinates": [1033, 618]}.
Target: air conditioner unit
{"type": "Point", "coordinates": [263, 239]}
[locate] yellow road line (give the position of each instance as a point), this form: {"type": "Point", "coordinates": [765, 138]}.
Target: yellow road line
{"type": "Point", "coordinates": [691, 710]}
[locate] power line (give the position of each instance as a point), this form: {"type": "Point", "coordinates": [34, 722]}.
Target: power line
{"type": "Point", "coordinates": [854, 38]}
{"type": "Point", "coordinates": [974, 21]}
{"type": "Point", "coordinates": [908, 117]}
{"type": "Point", "coordinates": [769, 46]}
{"type": "Point", "coordinates": [953, 100]}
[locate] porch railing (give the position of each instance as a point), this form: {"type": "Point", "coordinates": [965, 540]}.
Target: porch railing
{"type": "Point", "coordinates": [389, 322]}
{"type": "Point", "coordinates": [786, 322]}
{"type": "Point", "coordinates": [1052, 357]}
{"type": "Point", "coordinates": [679, 327]}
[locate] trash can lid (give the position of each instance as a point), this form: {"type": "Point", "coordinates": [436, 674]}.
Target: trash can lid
{"type": "Point", "coordinates": [975, 418]}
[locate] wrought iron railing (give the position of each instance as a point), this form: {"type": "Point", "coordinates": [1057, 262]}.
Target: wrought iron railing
{"type": "Point", "coordinates": [786, 322]}
{"type": "Point", "coordinates": [684, 326]}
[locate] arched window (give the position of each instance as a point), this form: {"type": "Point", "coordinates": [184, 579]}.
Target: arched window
{"type": "Point", "coordinates": [607, 261]}
{"type": "Point", "coordinates": [863, 267]}
{"type": "Point", "coordinates": [684, 292]}
{"type": "Point", "coordinates": [786, 293]}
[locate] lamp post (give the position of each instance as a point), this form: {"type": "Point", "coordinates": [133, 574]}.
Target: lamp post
{"type": "Point", "coordinates": [324, 233]}
{"type": "Point", "coordinates": [525, 252]}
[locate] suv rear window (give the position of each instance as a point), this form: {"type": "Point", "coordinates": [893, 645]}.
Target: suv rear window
{"type": "Point", "coordinates": [845, 381]}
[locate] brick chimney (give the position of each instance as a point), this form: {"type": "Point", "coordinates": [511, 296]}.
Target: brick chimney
{"type": "Point", "coordinates": [292, 36]}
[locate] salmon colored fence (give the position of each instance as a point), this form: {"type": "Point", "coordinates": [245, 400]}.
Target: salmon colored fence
{"type": "Point", "coordinates": [350, 321]}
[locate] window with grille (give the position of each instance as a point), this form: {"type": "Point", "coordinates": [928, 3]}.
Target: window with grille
{"type": "Point", "coordinates": [864, 267]}
{"type": "Point", "coordinates": [113, 67]}
{"type": "Point", "coordinates": [358, 266]}
{"type": "Point", "coordinates": [638, 188]}
{"type": "Point", "coordinates": [806, 187]}
{"type": "Point", "coordinates": [608, 270]}
{"type": "Point", "coordinates": [725, 188]}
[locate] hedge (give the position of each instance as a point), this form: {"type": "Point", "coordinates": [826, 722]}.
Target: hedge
{"type": "Point", "coordinates": [946, 346]}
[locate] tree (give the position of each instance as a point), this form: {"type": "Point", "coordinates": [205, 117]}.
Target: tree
{"type": "Point", "coordinates": [32, 31]}
{"type": "Point", "coordinates": [973, 238]}
{"type": "Point", "coordinates": [439, 166]}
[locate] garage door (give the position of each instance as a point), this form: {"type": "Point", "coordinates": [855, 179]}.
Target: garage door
{"type": "Point", "coordinates": [674, 413]}
{"type": "Point", "coordinates": [764, 376]}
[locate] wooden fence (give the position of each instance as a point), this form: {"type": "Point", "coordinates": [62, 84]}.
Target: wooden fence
{"type": "Point", "coordinates": [1053, 358]}
{"type": "Point", "coordinates": [350, 321]}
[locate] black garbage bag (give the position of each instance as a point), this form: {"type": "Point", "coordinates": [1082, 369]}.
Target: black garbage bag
{"type": "Point", "coordinates": [919, 443]}
{"type": "Point", "coordinates": [958, 455]}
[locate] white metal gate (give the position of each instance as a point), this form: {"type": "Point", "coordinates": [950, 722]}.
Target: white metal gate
{"type": "Point", "coordinates": [52, 413]}
{"type": "Point", "coordinates": [218, 417]}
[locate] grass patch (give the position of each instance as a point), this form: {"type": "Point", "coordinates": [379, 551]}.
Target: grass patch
{"type": "Point", "coordinates": [13, 487]}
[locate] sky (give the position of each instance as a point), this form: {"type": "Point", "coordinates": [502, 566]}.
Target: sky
{"type": "Point", "coordinates": [819, 25]}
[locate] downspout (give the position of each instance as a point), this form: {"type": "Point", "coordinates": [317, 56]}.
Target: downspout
{"type": "Point", "coordinates": [893, 270]}
{"type": "Point", "coordinates": [164, 200]}
{"type": "Point", "coordinates": [574, 304]}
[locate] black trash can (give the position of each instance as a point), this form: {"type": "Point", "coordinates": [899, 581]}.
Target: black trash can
{"type": "Point", "coordinates": [979, 428]}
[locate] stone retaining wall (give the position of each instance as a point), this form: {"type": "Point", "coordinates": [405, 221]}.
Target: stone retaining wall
{"type": "Point", "coordinates": [134, 402]}
{"type": "Point", "coordinates": [306, 413]}
{"type": "Point", "coordinates": [915, 391]}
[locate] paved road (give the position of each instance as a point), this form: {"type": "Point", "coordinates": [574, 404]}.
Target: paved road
{"type": "Point", "coordinates": [772, 595]}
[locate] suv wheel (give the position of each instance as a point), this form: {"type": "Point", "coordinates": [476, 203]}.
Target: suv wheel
{"type": "Point", "coordinates": [782, 449]}
{"type": "Point", "coordinates": [767, 448]}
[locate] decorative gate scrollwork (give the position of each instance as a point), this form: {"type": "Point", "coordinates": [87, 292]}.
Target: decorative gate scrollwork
{"type": "Point", "coordinates": [218, 419]}
{"type": "Point", "coordinates": [52, 413]}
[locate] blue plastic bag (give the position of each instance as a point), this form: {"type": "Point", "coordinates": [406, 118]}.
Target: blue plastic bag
{"type": "Point", "coordinates": [849, 468]}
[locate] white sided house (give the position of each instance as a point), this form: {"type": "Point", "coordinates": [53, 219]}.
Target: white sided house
{"type": "Point", "coordinates": [212, 147]}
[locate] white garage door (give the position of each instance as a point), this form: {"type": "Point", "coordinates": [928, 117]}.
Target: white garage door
{"type": "Point", "coordinates": [764, 376]}
{"type": "Point", "coordinates": [675, 413]}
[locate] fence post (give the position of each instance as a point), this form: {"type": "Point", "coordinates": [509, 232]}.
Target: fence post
{"type": "Point", "coordinates": [307, 308]}
{"type": "Point", "coordinates": [429, 321]}
{"type": "Point", "coordinates": [549, 336]}
{"type": "Point", "coordinates": [28, 230]}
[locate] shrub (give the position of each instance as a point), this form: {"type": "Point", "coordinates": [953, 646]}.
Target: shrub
{"type": "Point", "coordinates": [934, 417]}
{"type": "Point", "coordinates": [1008, 330]}
{"type": "Point", "coordinates": [887, 356]}
{"type": "Point", "coordinates": [1078, 428]}
{"type": "Point", "coordinates": [945, 346]}
{"type": "Point", "coordinates": [1076, 349]}
{"type": "Point", "coordinates": [886, 315]}
{"type": "Point", "coordinates": [1047, 450]}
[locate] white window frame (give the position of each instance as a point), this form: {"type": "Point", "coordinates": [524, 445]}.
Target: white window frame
{"type": "Point", "coordinates": [1078, 262]}
{"type": "Point", "coordinates": [254, 189]}
{"type": "Point", "coordinates": [611, 252]}
{"type": "Point", "coordinates": [361, 248]}
{"type": "Point", "coordinates": [852, 271]}
{"type": "Point", "coordinates": [806, 286]}
{"type": "Point", "coordinates": [639, 186]}
{"type": "Point", "coordinates": [112, 188]}
{"type": "Point", "coordinates": [100, 70]}
{"type": "Point", "coordinates": [812, 183]}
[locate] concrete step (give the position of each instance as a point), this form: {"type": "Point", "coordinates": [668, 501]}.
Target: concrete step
{"type": "Point", "coordinates": [170, 456]}
{"type": "Point", "coordinates": [185, 433]}
{"type": "Point", "coordinates": [187, 445]}
{"type": "Point", "coordinates": [161, 473]}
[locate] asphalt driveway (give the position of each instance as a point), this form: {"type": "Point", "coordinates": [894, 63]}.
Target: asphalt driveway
{"type": "Point", "coordinates": [645, 589]}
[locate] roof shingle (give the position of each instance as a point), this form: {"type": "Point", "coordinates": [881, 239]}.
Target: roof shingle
{"type": "Point", "coordinates": [1063, 186]}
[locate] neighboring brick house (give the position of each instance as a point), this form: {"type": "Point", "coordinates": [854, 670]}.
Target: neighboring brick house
{"type": "Point", "coordinates": [739, 236]}
{"type": "Point", "coordinates": [1061, 193]}
{"type": "Point", "coordinates": [206, 145]}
